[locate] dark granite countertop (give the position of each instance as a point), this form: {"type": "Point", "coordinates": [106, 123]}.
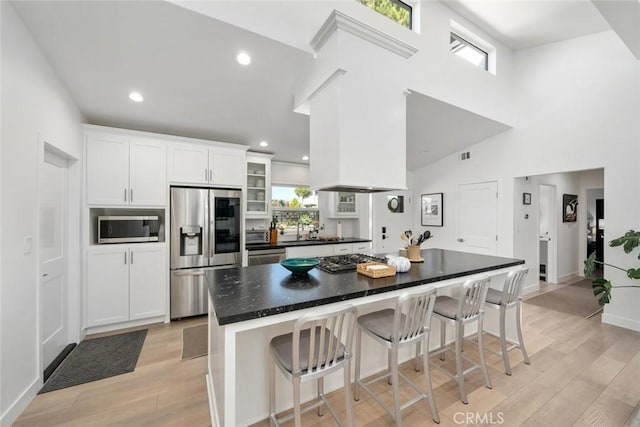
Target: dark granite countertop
{"type": "Point", "coordinates": [288, 244]}
{"type": "Point", "coordinates": [244, 293]}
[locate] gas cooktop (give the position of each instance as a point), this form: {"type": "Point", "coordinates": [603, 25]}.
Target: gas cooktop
{"type": "Point", "coordinates": [345, 263]}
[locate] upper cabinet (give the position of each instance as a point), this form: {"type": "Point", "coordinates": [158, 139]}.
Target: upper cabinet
{"type": "Point", "coordinates": [343, 204]}
{"type": "Point", "coordinates": [258, 185]}
{"type": "Point", "coordinates": [125, 170]}
{"type": "Point", "coordinates": [198, 164]}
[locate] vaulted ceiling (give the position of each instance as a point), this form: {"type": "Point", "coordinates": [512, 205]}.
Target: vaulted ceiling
{"type": "Point", "coordinates": [183, 62]}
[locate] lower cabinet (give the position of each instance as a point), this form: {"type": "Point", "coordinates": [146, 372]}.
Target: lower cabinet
{"type": "Point", "coordinates": [125, 282]}
{"type": "Point", "coordinates": [312, 251]}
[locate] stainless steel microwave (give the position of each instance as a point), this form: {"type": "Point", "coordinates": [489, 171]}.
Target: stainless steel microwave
{"type": "Point", "coordinates": [128, 229]}
{"type": "Point", "coordinates": [256, 236]}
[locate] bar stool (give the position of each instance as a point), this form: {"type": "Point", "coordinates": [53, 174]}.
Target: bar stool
{"type": "Point", "coordinates": [407, 324]}
{"type": "Point", "coordinates": [459, 312]}
{"type": "Point", "coordinates": [313, 350]}
{"type": "Point", "coordinates": [504, 300]}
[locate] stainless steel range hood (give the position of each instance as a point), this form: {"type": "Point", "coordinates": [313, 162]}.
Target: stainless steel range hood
{"type": "Point", "coordinates": [356, 98]}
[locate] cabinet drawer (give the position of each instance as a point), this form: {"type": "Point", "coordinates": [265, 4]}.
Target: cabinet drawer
{"type": "Point", "coordinates": [342, 249]}
{"type": "Point", "coordinates": [361, 248]}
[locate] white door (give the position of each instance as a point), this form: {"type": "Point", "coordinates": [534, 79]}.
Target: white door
{"type": "Point", "coordinates": [477, 218]}
{"type": "Point", "coordinates": [189, 164]}
{"type": "Point", "coordinates": [107, 285]}
{"type": "Point", "coordinates": [228, 168]}
{"type": "Point", "coordinates": [147, 281]}
{"type": "Point", "coordinates": [547, 227]}
{"type": "Point", "coordinates": [148, 172]}
{"type": "Point", "coordinates": [108, 170]}
{"type": "Point", "coordinates": [53, 293]}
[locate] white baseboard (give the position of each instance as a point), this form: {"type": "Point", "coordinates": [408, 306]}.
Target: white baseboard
{"type": "Point", "coordinates": [567, 276]}
{"type": "Point", "coordinates": [623, 322]}
{"type": "Point", "coordinates": [21, 403]}
{"type": "Point", "coordinates": [531, 288]}
{"type": "Point", "coordinates": [122, 325]}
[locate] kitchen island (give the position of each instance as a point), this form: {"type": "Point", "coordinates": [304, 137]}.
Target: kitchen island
{"type": "Point", "coordinates": [250, 305]}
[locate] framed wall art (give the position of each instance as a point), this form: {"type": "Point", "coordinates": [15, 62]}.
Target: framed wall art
{"type": "Point", "coordinates": [432, 206]}
{"type": "Point", "coordinates": [569, 208]}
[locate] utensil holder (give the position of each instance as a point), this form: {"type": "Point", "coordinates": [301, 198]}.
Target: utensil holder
{"type": "Point", "coordinates": [414, 252]}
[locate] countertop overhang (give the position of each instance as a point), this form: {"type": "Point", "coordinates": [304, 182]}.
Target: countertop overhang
{"type": "Point", "coordinates": [245, 293]}
{"type": "Point", "coordinates": [294, 243]}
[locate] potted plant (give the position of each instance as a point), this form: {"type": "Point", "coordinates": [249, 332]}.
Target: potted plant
{"type": "Point", "coordinates": [601, 286]}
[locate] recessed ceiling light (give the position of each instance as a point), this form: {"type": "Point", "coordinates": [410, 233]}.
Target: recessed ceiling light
{"type": "Point", "coordinates": [136, 96]}
{"type": "Point", "coordinates": [305, 157]}
{"type": "Point", "coordinates": [243, 58]}
{"type": "Point", "coordinates": [263, 143]}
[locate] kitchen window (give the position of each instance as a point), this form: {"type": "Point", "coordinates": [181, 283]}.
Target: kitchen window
{"type": "Point", "coordinates": [395, 10]}
{"type": "Point", "coordinates": [468, 51]}
{"type": "Point", "coordinates": [295, 209]}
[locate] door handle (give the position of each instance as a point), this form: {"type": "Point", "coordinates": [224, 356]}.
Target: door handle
{"type": "Point", "coordinates": [189, 273]}
{"type": "Point", "coordinates": [460, 239]}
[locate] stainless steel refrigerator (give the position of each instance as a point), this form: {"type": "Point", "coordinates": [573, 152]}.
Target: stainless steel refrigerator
{"type": "Point", "coordinates": [205, 233]}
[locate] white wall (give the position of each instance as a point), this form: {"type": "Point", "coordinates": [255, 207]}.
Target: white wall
{"type": "Point", "coordinates": [577, 108]}
{"type": "Point", "coordinates": [34, 105]}
{"type": "Point", "coordinates": [434, 71]}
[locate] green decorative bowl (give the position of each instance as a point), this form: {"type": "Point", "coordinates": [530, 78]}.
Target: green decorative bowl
{"type": "Point", "coordinates": [299, 266]}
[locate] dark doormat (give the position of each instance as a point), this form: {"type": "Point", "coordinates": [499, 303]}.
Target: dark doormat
{"type": "Point", "coordinates": [195, 341]}
{"type": "Point", "coordinates": [98, 358]}
{"type": "Point", "coordinates": [576, 299]}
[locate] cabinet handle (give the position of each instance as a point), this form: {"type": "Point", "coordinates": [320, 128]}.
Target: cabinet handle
{"type": "Point", "coordinates": [210, 175]}
{"type": "Point", "coordinates": [131, 258]}
{"type": "Point", "coordinates": [206, 175]}
{"type": "Point", "coordinates": [125, 257]}
{"type": "Point", "coordinates": [131, 195]}
{"type": "Point", "coordinates": [125, 194]}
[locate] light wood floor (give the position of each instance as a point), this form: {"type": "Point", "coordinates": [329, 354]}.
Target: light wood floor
{"type": "Point", "coordinates": [582, 373]}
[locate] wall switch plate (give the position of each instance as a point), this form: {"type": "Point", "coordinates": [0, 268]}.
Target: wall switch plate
{"type": "Point", "coordinates": [28, 245]}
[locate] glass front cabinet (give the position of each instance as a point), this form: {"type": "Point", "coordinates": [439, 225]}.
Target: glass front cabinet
{"type": "Point", "coordinates": [343, 204]}
{"type": "Point", "coordinates": [258, 185]}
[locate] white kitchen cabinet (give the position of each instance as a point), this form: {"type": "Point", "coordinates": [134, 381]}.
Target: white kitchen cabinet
{"type": "Point", "coordinates": [199, 164]}
{"type": "Point", "coordinates": [258, 180]}
{"type": "Point", "coordinates": [107, 285]}
{"type": "Point", "coordinates": [147, 281]}
{"type": "Point", "coordinates": [125, 282]}
{"type": "Point", "coordinates": [125, 171]}
{"type": "Point", "coordinates": [107, 169]}
{"type": "Point", "coordinates": [311, 251]}
{"type": "Point", "coordinates": [344, 204]}
{"type": "Point", "coordinates": [362, 248]}
{"type": "Point", "coordinates": [343, 249]}
{"type": "Point", "coordinates": [189, 164]}
{"type": "Point", "coordinates": [148, 172]}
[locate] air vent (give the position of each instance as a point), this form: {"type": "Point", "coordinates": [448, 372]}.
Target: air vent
{"type": "Point", "coordinates": [465, 155]}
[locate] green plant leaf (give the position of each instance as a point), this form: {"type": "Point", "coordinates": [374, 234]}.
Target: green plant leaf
{"type": "Point", "coordinates": [633, 273]}
{"type": "Point", "coordinates": [589, 265]}
{"type": "Point", "coordinates": [602, 290]}
{"type": "Point", "coordinates": [629, 241]}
